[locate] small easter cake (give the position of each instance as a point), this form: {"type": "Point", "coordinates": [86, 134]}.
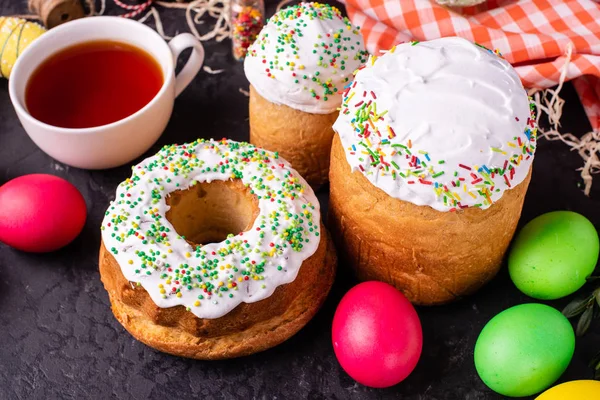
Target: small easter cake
{"type": "Point", "coordinates": [297, 68]}
{"type": "Point", "coordinates": [215, 249]}
{"type": "Point", "coordinates": [430, 166]}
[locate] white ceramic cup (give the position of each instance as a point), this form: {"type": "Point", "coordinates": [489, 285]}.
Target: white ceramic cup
{"type": "Point", "coordinates": [120, 142]}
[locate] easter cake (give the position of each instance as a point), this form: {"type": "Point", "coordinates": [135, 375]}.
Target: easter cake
{"type": "Point", "coordinates": [297, 68]}
{"type": "Point", "coordinates": [215, 249]}
{"type": "Point", "coordinates": [430, 166]}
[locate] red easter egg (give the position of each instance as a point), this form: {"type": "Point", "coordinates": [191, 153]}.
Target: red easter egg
{"type": "Point", "coordinates": [40, 213]}
{"type": "Point", "coordinates": [377, 335]}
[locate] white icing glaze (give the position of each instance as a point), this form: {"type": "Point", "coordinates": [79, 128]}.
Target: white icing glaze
{"type": "Point", "coordinates": [304, 56]}
{"type": "Point", "coordinates": [288, 215]}
{"type": "Point", "coordinates": [449, 124]}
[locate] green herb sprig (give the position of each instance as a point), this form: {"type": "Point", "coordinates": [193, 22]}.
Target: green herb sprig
{"type": "Point", "coordinates": [586, 308]}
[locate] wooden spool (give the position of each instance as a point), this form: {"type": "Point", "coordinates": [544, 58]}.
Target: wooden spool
{"type": "Point", "coordinates": [56, 12]}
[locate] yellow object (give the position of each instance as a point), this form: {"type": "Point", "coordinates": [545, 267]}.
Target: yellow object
{"type": "Point", "coordinates": [15, 35]}
{"type": "Point", "coordinates": [575, 390]}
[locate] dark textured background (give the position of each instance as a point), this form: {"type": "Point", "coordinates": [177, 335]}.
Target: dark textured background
{"type": "Point", "coordinates": [59, 339]}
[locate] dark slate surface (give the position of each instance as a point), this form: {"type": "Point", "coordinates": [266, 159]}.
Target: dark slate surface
{"type": "Point", "coordinates": [59, 339]}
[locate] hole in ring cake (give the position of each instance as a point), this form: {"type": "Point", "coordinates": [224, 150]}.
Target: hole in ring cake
{"type": "Point", "coordinates": [210, 212]}
{"type": "Point", "coordinates": [181, 281]}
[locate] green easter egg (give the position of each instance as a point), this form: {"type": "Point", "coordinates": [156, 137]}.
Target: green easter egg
{"type": "Point", "coordinates": [553, 255]}
{"type": "Point", "coordinates": [524, 349]}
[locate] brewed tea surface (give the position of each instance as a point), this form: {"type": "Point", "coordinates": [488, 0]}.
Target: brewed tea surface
{"type": "Point", "coordinates": [92, 84]}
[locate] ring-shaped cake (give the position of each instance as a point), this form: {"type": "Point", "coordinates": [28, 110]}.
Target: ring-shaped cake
{"type": "Point", "coordinates": [202, 250]}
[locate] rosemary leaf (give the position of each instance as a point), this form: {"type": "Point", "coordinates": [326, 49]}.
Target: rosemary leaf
{"type": "Point", "coordinates": [576, 307]}
{"type": "Point", "coordinates": [585, 320]}
{"type": "Point", "coordinates": [595, 363]}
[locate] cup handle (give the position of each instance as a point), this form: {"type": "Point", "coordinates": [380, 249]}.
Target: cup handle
{"type": "Point", "coordinates": [191, 68]}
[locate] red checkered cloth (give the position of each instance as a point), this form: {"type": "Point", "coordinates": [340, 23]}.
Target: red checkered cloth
{"type": "Point", "coordinates": [534, 35]}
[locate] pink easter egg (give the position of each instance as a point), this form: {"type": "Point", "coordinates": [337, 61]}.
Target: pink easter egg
{"type": "Point", "coordinates": [377, 335]}
{"type": "Point", "coordinates": [40, 213]}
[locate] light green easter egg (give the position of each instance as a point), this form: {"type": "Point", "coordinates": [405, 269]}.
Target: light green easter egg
{"type": "Point", "coordinates": [524, 349]}
{"type": "Point", "coordinates": [553, 255]}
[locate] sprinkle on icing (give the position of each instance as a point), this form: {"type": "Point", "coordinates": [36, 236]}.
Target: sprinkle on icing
{"type": "Point", "coordinates": [304, 57]}
{"type": "Point", "coordinates": [213, 279]}
{"type": "Point", "coordinates": [443, 123]}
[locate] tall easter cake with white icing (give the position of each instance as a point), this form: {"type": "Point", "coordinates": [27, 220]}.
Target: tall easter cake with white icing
{"type": "Point", "coordinates": [431, 161]}
{"type": "Point", "coordinates": [298, 68]}
{"type": "Point", "coordinates": [215, 249]}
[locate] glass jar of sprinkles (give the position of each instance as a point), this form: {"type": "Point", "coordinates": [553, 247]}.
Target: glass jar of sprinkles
{"type": "Point", "coordinates": [247, 20]}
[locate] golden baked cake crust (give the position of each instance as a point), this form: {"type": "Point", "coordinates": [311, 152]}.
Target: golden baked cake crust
{"type": "Point", "coordinates": [248, 329]}
{"type": "Point", "coordinates": [301, 138]}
